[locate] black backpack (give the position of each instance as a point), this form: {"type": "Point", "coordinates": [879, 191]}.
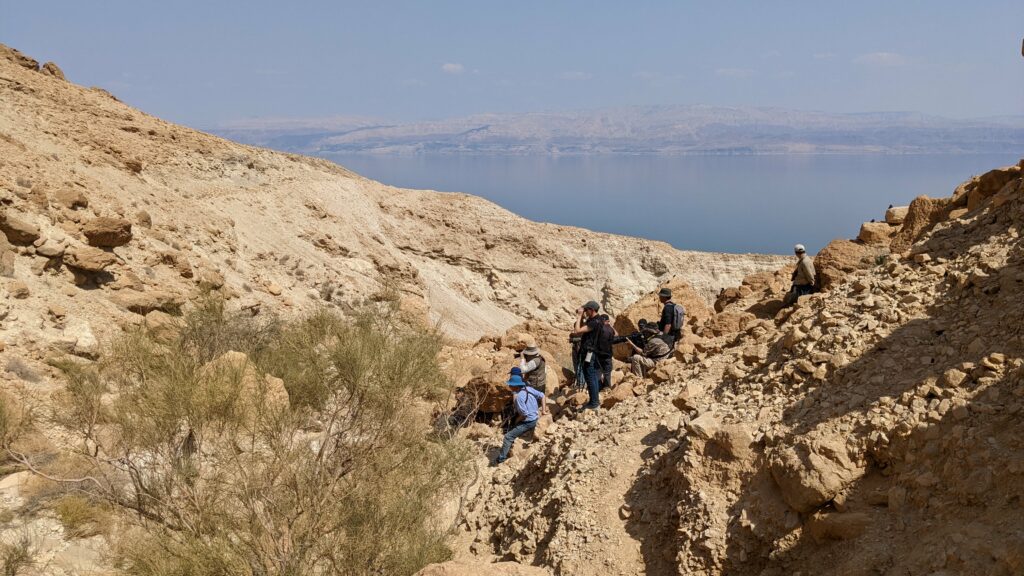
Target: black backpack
{"type": "Point", "coordinates": [603, 339]}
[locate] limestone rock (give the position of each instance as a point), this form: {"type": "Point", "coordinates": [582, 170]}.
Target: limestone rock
{"type": "Point", "coordinates": [896, 215]}
{"type": "Point", "coordinates": [18, 229]}
{"type": "Point", "coordinates": [18, 289]}
{"type": "Point", "coordinates": [620, 392]}
{"type": "Point", "coordinates": [704, 426]}
{"type": "Point", "coordinates": [162, 326]}
{"type": "Point", "coordinates": [686, 399]}
{"type": "Point", "coordinates": [18, 58]}
{"type": "Point", "coordinates": [88, 259]}
{"type": "Point", "coordinates": [735, 439]}
{"type": "Point", "coordinates": [812, 473]}
{"type": "Point", "coordinates": [107, 232]}
{"type": "Point", "coordinates": [922, 214]}
{"type": "Point", "coordinates": [145, 302]}
{"type": "Point", "coordinates": [71, 198]}
{"type": "Point", "coordinates": [876, 233]}
{"type": "Point", "coordinates": [51, 69]}
{"type": "Point", "coordinates": [841, 258]}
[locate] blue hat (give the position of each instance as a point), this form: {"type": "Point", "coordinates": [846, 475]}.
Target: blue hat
{"type": "Point", "coordinates": [516, 381]}
{"type": "Point", "coordinates": [516, 371]}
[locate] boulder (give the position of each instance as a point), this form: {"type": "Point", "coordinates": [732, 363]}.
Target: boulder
{"type": "Point", "coordinates": [922, 214]}
{"type": "Point", "coordinates": [71, 198]}
{"type": "Point", "coordinates": [18, 229]}
{"type": "Point", "coordinates": [876, 233]}
{"type": "Point", "coordinates": [812, 472]}
{"type": "Point", "coordinates": [50, 248]}
{"type": "Point", "coordinates": [18, 289]}
{"type": "Point", "coordinates": [460, 568]}
{"type": "Point", "coordinates": [735, 439]}
{"type": "Point", "coordinates": [896, 215]}
{"type": "Point", "coordinates": [841, 258]}
{"type": "Point", "coordinates": [88, 259]}
{"type": "Point", "coordinates": [161, 326]}
{"type": "Point", "coordinates": [686, 399]}
{"type": "Point", "coordinates": [85, 343]}
{"type": "Point", "coordinates": [729, 322]}
{"type": "Point", "coordinates": [621, 391]}
{"type": "Point", "coordinates": [145, 302]}
{"type": "Point", "coordinates": [107, 232]}
{"type": "Point", "coordinates": [51, 69]}
{"type": "Point", "coordinates": [704, 426]}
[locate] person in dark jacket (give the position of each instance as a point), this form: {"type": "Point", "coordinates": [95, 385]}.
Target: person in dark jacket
{"type": "Point", "coordinates": [596, 350]}
{"type": "Point", "coordinates": [671, 333]}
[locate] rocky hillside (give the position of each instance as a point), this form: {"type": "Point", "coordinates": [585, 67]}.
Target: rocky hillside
{"type": "Point", "coordinates": [172, 210]}
{"type": "Point", "coordinates": [873, 429]}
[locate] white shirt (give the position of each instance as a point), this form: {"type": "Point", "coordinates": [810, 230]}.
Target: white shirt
{"type": "Point", "coordinates": [530, 366]}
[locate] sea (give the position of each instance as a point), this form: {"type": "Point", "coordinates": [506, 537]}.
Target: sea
{"type": "Point", "coordinates": [740, 204]}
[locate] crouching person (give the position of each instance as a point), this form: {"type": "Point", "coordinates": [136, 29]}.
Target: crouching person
{"type": "Point", "coordinates": [655, 350]}
{"type": "Point", "coordinates": [529, 405]}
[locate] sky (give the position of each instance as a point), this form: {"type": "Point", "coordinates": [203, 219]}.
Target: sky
{"type": "Point", "coordinates": [207, 64]}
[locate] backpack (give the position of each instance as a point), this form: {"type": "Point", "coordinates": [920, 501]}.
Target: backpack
{"type": "Point", "coordinates": [602, 342]}
{"type": "Point", "coordinates": [678, 319]}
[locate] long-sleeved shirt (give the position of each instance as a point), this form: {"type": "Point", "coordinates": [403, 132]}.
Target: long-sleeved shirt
{"type": "Point", "coordinates": [527, 403]}
{"type": "Point", "coordinates": [805, 274]}
{"type": "Point", "coordinates": [656, 348]}
{"type": "Point", "coordinates": [530, 366]}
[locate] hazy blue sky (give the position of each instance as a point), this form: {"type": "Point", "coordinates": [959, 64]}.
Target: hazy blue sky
{"type": "Point", "coordinates": [204, 63]}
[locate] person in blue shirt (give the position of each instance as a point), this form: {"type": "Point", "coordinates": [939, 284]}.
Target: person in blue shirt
{"type": "Point", "coordinates": [529, 405]}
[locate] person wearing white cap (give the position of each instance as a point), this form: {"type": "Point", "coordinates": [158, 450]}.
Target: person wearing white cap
{"type": "Point", "coordinates": [804, 277]}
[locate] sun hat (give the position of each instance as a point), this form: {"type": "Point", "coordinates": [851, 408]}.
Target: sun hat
{"type": "Point", "coordinates": [531, 351]}
{"type": "Point", "coordinates": [516, 371]}
{"type": "Point", "coordinates": [799, 248]}
{"type": "Point", "coordinates": [515, 381]}
{"type": "Point", "coordinates": [665, 293]}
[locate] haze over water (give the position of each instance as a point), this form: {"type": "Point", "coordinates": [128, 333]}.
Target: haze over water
{"type": "Point", "coordinates": [710, 203]}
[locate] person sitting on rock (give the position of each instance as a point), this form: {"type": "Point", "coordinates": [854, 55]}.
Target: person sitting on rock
{"type": "Point", "coordinates": [529, 406]}
{"type": "Point", "coordinates": [673, 317]}
{"type": "Point", "coordinates": [533, 368]}
{"type": "Point", "coordinates": [804, 277]}
{"type": "Point", "coordinates": [655, 349]}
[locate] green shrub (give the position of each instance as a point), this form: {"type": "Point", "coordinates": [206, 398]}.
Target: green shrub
{"type": "Point", "coordinates": [224, 477]}
{"type": "Point", "coordinates": [80, 517]}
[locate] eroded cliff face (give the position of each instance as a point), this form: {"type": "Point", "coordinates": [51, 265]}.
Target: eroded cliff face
{"type": "Point", "coordinates": [281, 230]}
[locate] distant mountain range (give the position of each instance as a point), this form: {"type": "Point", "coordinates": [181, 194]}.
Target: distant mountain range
{"type": "Point", "coordinates": [664, 130]}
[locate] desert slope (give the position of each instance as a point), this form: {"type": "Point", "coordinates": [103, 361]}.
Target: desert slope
{"type": "Point", "coordinates": [288, 231]}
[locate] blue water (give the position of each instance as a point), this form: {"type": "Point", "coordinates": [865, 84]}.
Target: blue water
{"type": "Point", "coordinates": [715, 203]}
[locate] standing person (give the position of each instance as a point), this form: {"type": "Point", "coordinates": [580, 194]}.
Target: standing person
{"type": "Point", "coordinates": [673, 316]}
{"type": "Point", "coordinates": [804, 277]}
{"type": "Point", "coordinates": [529, 405]}
{"type": "Point", "coordinates": [596, 348]}
{"type": "Point", "coordinates": [534, 370]}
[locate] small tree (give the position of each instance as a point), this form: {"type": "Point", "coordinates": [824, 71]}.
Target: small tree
{"type": "Point", "coordinates": [266, 448]}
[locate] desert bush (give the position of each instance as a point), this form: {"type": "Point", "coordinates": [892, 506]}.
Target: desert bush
{"type": "Point", "coordinates": [226, 472]}
{"type": "Point", "coordinates": [16, 555]}
{"type": "Point", "coordinates": [80, 517]}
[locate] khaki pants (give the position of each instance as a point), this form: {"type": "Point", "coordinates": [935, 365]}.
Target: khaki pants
{"type": "Point", "coordinates": [640, 365]}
